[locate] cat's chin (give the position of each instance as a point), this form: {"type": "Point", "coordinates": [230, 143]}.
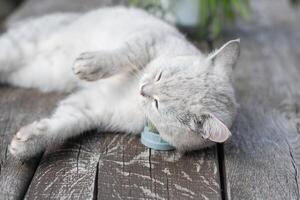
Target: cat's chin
{"type": "Point", "coordinates": [146, 105]}
{"type": "Point", "coordinates": [143, 101]}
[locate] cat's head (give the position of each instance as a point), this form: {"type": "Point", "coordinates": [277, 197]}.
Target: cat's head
{"type": "Point", "coordinates": [191, 100]}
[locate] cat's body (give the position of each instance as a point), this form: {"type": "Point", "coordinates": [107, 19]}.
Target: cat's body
{"type": "Point", "coordinates": [54, 48]}
{"type": "Point", "coordinates": [135, 67]}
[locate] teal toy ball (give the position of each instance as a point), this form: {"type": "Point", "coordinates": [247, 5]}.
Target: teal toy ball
{"type": "Point", "coordinates": [154, 141]}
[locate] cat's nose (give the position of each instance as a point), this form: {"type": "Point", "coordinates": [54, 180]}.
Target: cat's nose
{"type": "Point", "coordinates": [145, 90]}
{"type": "Point", "coordinates": [142, 90]}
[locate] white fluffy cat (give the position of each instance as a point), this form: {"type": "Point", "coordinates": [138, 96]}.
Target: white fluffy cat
{"type": "Point", "coordinates": [129, 66]}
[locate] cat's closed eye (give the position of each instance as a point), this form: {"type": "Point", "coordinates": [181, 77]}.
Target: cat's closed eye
{"type": "Point", "coordinates": [155, 101]}
{"type": "Point", "coordinates": [158, 77]}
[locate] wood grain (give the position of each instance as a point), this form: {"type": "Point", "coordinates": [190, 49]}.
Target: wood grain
{"type": "Point", "coordinates": [262, 159]}
{"type": "Point", "coordinates": [67, 171]}
{"type": "Point", "coordinates": [131, 171]}
{"type": "Point", "coordinates": [17, 108]}
{"type": "Point", "coordinates": [118, 166]}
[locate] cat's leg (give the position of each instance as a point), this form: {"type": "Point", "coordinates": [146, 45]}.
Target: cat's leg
{"type": "Point", "coordinates": [71, 117]}
{"type": "Point", "coordinates": [82, 111]}
{"type": "Point", "coordinates": [134, 54]}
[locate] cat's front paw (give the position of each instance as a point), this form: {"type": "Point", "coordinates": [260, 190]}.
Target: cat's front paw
{"type": "Point", "coordinates": [29, 140]}
{"type": "Point", "coordinates": [88, 66]}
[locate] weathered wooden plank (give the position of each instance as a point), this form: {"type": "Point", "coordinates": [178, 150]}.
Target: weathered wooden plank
{"type": "Point", "coordinates": [67, 171]}
{"type": "Point", "coordinates": [130, 171]}
{"type": "Point", "coordinates": [118, 166]}
{"type": "Point", "coordinates": [262, 159]}
{"type": "Point", "coordinates": [192, 176]}
{"type": "Point", "coordinates": [17, 108]}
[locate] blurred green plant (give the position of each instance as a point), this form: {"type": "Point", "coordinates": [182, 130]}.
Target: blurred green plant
{"type": "Point", "coordinates": [295, 2]}
{"type": "Point", "coordinates": [153, 6]}
{"type": "Point", "coordinates": [212, 14]}
{"type": "Point", "coordinates": [146, 4]}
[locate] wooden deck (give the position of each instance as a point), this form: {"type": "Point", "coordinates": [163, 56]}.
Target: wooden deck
{"type": "Point", "coordinates": [116, 166]}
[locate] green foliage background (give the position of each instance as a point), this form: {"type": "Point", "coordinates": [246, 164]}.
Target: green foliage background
{"type": "Point", "coordinates": [212, 14]}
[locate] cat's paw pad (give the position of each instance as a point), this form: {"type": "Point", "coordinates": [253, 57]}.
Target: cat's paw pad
{"type": "Point", "coordinates": [86, 66]}
{"type": "Point", "coordinates": [27, 140]}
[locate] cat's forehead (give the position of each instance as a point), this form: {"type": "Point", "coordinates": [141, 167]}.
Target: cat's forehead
{"type": "Point", "coordinates": [190, 80]}
{"type": "Point", "coordinates": [188, 70]}
{"type": "Point", "coordinates": [181, 75]}
{"type": "Point", "coordinates": [193, 89]}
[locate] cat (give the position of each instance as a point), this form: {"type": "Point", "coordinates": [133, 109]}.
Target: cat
{"type": "Point", "coordinates": [121, 66]}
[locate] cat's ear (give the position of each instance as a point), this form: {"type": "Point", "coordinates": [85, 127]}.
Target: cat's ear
{"type": "Point", "coordinates": [211, 128]}
{"type": "Point", "coordinates": [226, 56]}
